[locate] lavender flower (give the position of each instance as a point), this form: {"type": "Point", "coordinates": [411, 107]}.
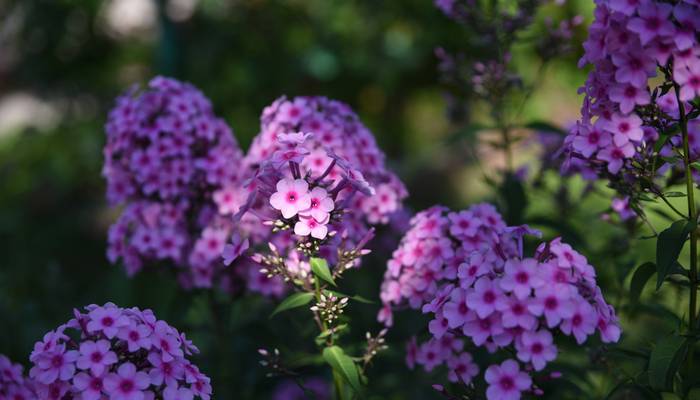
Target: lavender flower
{"type": "Point", "coordinates": [144, 359]}
{"type": "Point", "coordinates": [173, 165]}
{"type": "Point", "coordinates": [468, 269]}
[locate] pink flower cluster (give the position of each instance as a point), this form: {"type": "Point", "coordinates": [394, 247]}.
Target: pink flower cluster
{"type": "Point", "coordinates": [335, 127]}
{"type": "Point", "coordinates": [316, 171]}
{"type": "Point", "coordinates": [175, 167]}
{"type": "Point", "coordinates": [467, 268]}
{"type": "Point", "coordinates": [116, 353]}
{"type": "Point", "coordinates": [13, 384]}
{"type": "Point", "coordinates": [626, 107]}
{"type": "Point", "coordinates": [312, 205]}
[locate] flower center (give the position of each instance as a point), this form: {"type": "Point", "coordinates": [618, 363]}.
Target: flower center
{"type": "Point", "coordinates": [507, 383]}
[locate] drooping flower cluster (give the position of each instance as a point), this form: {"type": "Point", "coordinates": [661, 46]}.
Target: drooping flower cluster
{"type": "Point", "coordinates": [646, 73]}
{"type": "Point", "coordinates": [175, 167]}
{"type": "Point", "coordinates": [319, 182]}
{"type": "Point", "coordinates": [116, 353]}
{"type": "Point", "coordinates": [467, 268]}
{"type": "Point", "coordinates": [13, 384]}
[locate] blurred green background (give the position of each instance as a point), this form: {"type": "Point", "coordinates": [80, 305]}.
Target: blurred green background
{"type": "Point", "coordinates": [62, 62]}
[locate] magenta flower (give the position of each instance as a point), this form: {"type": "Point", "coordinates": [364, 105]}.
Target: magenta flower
{"type": "Point", "coordinates": [506, 381]}
{"type": "Point", "coordinates": [616, 156]}
{"type": "Point", "coordinates": [90, 386]}
{"type": "Point", "coordinates": [485, 298]}
{"type": "Point", "coordinates": [167, 341]}
{"type": "Point", "coordinates": [521, 277]}
{"type": "Point", "coordinates": [590, 139]}
{"type": "Point", "coordinates": [537, 348]}
{"type": "Point", "coordinates": [136, 336]}
{"type": "Point", "coordinates": [625, 129]}
{"type": "Point", "coordinates": [689, 79]}
{"type": "Point", "coordinates": [96, 356]}
{"type": "Point", "coordinates": [108, 320]}
{"type": "Point", "coordinates": [554, 303]}
{"type": "Point", "coordinates": [55, 365]}
{"type": "Point", "coordinates": [462, 368]}
{"type": "Point", "coordinates": [480, 330]}
{"type": "Point", "coordinates": [310, 226]}
{"type": "Point", "coordinates": [582, 322]}
{"type": "Point", "coordinates": [168, 373]}
{"type": "Point", "coordinates": [127, 383]}
{"type": "Point", "coordinates": [320, 207]}
{"type": "Point", "coordinates": [291, 197]}
{"type": "Point", "coordinates": [652, 22]}
{"type": "Point", "coordinates": [629, 96]}
{"type": "Point", "coordinates": [456, 310]}
{"type": "Point", "coordinates": [515, 313]}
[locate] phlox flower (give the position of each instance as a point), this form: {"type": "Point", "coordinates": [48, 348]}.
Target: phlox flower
{"type": "Point", "coordinates": [292, 196]}
{"type": "Point", "coordinates": [127, 383]}
{"type": "Point", "coordinates": [506, 381]}
{"type": "Point", "coordinates": [536, 348]}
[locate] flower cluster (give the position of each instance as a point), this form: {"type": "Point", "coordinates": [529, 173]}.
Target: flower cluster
{"type": "Point", "coordinates": [646, 72]}
{"type": "Point", "coordinates": [175, 167]}
{"type": "Point", "coordinates": [307, 210]}
{"type": "Point", "coordinates": [13, 384]}
{"type": "Point", "coordinates": [122, 354]}
{"type": "Point", "coordinates": [319, 181]}
{"type": "Point", "coordinates": [337, 135]}
{"type": "Point", "coordinates": [468, 269]}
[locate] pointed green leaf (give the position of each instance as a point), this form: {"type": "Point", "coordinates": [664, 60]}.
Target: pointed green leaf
{"type": "Point", "coordinates": [674, 194]}
{"type": "Point", "coordinates": [669, 246]}
{"type": "Point", "coordinates": [639, 280]}
{"type": "Point", "coordinates": [341, 362]}
{"type": "Point", "coordinates": [294, 301]}
{"type": "Point", "coordinates": [664, 361]}
{"type": "Point", "coordinates": [319, 267]}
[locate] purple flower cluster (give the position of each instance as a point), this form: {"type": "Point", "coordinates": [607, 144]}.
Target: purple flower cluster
{"type": "Point", "coordinates": [467, 268]}
{"type": "Point", "coordinates": [305, 208]}
{"type": "Point", "coordinates": [318, 180]}
{"type": "Point", "coordinates": [13, 384]}
{"type": "Point", "coordinates": [116, 353]}
{"type": "Point", "coordinates": [335, 127]}
{"type": "Point", "coordinates": [644, 55]}
{"type": "Point", "coordinates": [175, 167]}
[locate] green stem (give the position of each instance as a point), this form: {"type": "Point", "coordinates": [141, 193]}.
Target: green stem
{"type": "Point", "coordinates": [338, 386]}
{"type": "Point", "coordinates": [693, 216]}
{"type": "Point", "coordinates": [337, 379]}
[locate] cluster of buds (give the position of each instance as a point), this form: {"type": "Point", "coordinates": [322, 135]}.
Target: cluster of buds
{"type": "Point", "coordinates": [375, 344]}
{"type": "Point", "coordinates": [330, 307]}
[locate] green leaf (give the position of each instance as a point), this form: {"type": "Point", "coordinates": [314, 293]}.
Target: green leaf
{"type": "Point", "coordinates": [664, 361]}
{"type": "Point", "coordinates": [639, 280]}
{"type": "Point", "coordinates": [341, 362]}
{"type": "Point", "coordinates": [294, 301]}
{"type": "Point", "coordinates": [357, 298]}
{"type": "Point", "coordinates": [319, 267]}
{"type": "Point", "coordinates": [674, 194]}
{"type": "Point", "coordinates": [669, 246]}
